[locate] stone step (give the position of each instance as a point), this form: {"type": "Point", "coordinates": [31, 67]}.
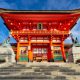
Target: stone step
{"type": "Point", "coordinates": [17, 68]}
{"type": "Point", "coordinates": [66, 70]}
{"type": "Point", "coordinates": [32, 73]}
{"type": "Point", "coordinates": [72, 73]}
{"type": "Point", "coordinates": [44, 70]}
{"type": "Point", "coordinates": [36, 72]}
{"type": "Point", "coordinates": [47, 73]}
{"type": "Point", "coordinates": [48, 69]}
{"type": "Point", "coordinates": [6, 70]}
{"type": "Point", "coordinates": [26, 77]}
{"type": "Point", "coordinates": [38, 66]}
{"type": "Point", "coordinates": [60, 78]}
{"type": "Point", "coordinates": [4, 73]}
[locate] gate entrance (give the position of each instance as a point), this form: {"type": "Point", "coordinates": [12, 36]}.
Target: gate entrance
{"type": "Point", "coordinates": [40, 52]}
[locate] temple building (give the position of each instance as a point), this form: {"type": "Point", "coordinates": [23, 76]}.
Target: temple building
{"type": "Point", "coordinates": [40, 35]}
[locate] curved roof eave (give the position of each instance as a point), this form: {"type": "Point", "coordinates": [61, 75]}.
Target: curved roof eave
{"type": "Point", "coordinates": [40, 11]}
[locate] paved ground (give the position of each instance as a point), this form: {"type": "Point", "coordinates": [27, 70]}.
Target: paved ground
{"type": "Point", "coordinates": [40, 71]}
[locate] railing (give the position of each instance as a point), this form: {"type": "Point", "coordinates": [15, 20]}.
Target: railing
{"type": "Point", "coordinates": [33, 41]}
{"type": "Point", "coordinates": [40, 32]}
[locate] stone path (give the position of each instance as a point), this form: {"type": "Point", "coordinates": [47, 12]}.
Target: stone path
{"type": "Point", "coordinates": [41, 71]}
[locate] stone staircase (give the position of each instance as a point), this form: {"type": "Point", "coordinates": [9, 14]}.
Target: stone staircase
{"type": "Point", "coordinates": [39, 71]}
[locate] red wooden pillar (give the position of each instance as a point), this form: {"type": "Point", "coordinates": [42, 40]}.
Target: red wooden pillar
{"type": "Point", "coordinates": [63, 51]}
{"type": "Point", "coordinates": [18, 48]}
{"type": "Point", "coordinates": [30, 54]}
{"type": "Point", "coordinates": [17, 54]}
{"type": "Point", "coordinates": [50, 51]}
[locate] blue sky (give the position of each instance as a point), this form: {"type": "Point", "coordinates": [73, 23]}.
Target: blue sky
{"type": "Point", "coordinates": [39, 5]}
